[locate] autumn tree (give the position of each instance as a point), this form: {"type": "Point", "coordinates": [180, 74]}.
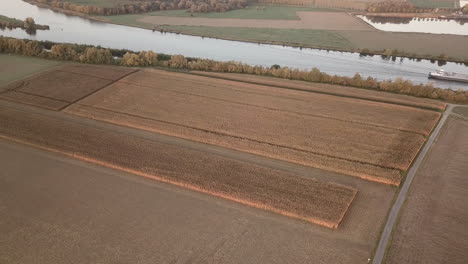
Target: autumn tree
{"type": "Point", "coordinates": [465, 9]}
{"type": "Point", "coordinates": [64, 52]}
{"type": "Point", "coordinates": [29, 23]}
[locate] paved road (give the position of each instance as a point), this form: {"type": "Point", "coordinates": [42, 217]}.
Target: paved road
{"type": "Point", "coordinates": [394, 212]}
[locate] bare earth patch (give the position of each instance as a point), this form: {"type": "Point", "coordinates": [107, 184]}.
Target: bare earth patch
{"type": "Point", "coordinates": [308, 20]}
{"type": "Point", "coordinates": [317, 130]}
{"type": "Point", "coordinates": [432, 226]}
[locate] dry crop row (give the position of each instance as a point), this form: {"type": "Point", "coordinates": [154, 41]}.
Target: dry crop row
{"type": "Point", "coordinates": [365, 139]}
{"type": "Point", "coordinates": [304, 198]}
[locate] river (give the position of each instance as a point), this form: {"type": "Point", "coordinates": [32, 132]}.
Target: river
{"type": "Point", "coordinates": [422, 25]}
{"type": "Point", "coordinates": [72, 29]}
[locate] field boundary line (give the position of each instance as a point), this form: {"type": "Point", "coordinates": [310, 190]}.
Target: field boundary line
{"type": "Point", "coordinates": [323, 92]}
{"type": "Point", "coordinates": [282, 110]}
{"type": "Point", "coordinates": [97, 90]}
{"type": "Point", "coordinates": [42, 96]}
{"type": "Point", "coordinates": [396, 208]}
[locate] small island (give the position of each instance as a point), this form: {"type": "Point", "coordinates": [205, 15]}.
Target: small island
{"type": "Point", "coordinates": [28, 24]}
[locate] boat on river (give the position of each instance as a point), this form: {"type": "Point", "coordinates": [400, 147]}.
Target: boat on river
{"type": "Point", "coordinates": [449, 76]}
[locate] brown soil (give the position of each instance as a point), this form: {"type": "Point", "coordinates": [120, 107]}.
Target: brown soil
{"type": "Point", "coordinates": [57, 88]}
{"type": "Point", "coordinates": [332, 89]}
{"type": "Point", "coordinates": [432, 226]}
{"type": "Point", "coordinates": [308, 20]}
{"type": "Point", "coordinates": [298, 197]}
{"type": "Point", "coordinates": [291, 125]}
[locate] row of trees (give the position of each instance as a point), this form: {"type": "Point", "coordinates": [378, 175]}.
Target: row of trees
{"type": "Point", "coordinates": [396, 6]}
{"type": "Point", "coordinates": [142, 6]}
{"type": "Point", "coordinates": [96, 55]}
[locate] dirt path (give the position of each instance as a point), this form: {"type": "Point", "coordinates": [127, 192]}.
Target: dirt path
{"type": "Point", "coordinates": [308, 20]}
{"type": "Point", "coordinates": [432, 225]}
{"type": "Point", "coordinates": [394, 212]}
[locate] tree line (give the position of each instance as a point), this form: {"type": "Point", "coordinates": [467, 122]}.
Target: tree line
{"type": "Point", "coordinates": [142, 6]}
{"type": "Point", "coordinates": [98, 55]}
{"type": "Point", "coordinates": [396, 6]}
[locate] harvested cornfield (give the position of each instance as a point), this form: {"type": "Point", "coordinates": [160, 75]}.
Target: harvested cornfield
{"type": "Point", "coordinates": [332, 89]}
{"type": "Point", "coordinates": [317, 202]}
{"type": "Point", "coordinates": [370, 140]}
{"type": "Point", "coordinates": [57, 88]}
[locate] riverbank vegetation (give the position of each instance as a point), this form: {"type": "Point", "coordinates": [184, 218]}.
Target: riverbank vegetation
{"type": "Point", "coordinates": [252, 11]}
{"type": "Point", "coordinates": [106, 7]}
{"type": "Point", "coordinates": [28, 24]}
{"type": "Point", "coordinates": [414, 6]}
{"type": "Point", "coordinates": [97, 55]}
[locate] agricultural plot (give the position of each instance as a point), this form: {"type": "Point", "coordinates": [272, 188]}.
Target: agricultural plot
{"type": "Point", "coordinates": [370, 140]}
{"type": "Point", "coordinates": [62, 86]}
{"type": "Point", "coordinates": [432, 225]}
{"type": "Point", "coordinates": [16, 67]}
{"type": "Point", "coordinates": [461, 110]}
{"type": "Point", "coordinates": [317, 202]}
{"type": "Point", "coordinates": [308, 20]}
{"type": "Point", "coordinates": [349, 92]}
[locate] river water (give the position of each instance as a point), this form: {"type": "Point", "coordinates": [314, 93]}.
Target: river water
{"type": "Point", "coordinates": [423, 25]}
{"type": "Point", "coordinates": [71, 29]}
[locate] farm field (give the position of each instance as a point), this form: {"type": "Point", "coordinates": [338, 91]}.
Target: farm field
{"type": "Point", "coordinates": [16, 67]}
{"type": "Point", "coordinates": [295, 126]}
{"type": "Point", "coordinates": [330, 89]}
{"type": "Point", "coordinates": [62, 86]}
{"type": "Point", "coordinates": [331, 134]}
{"type": "Point", "coordinates": [89, 204]}
{"type": "Point", "coordinates": [317, 202]}
{"type": "Point", "coordinates": [461, 111]}
{"type": "Point", "coordinates": [270, 12]}
{"type": "Point", "coordinates": [432, 225]}
{"type": "Point", "coordinates": [296, 37]}
{"type": "Point", "coordinates": [308, 20]}
{"type": "Point", "coordinates": [276, 12]}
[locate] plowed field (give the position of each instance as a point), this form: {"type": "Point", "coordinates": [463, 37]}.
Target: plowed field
{"type": "Point", "coordinates": [61, 86]}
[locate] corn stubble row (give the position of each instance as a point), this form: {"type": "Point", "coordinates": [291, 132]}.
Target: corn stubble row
{"type": "Point", "coordinates": [302, 198]}
{"type": "Point", "coordinates": [231, 116]}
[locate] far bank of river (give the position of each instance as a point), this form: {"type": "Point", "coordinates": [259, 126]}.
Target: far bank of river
{"type": "Point", "coordinates": [73, 29]}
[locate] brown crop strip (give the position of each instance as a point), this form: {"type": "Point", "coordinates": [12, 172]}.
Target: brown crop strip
{"type": "Point", "coordinates": [303, 198]}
